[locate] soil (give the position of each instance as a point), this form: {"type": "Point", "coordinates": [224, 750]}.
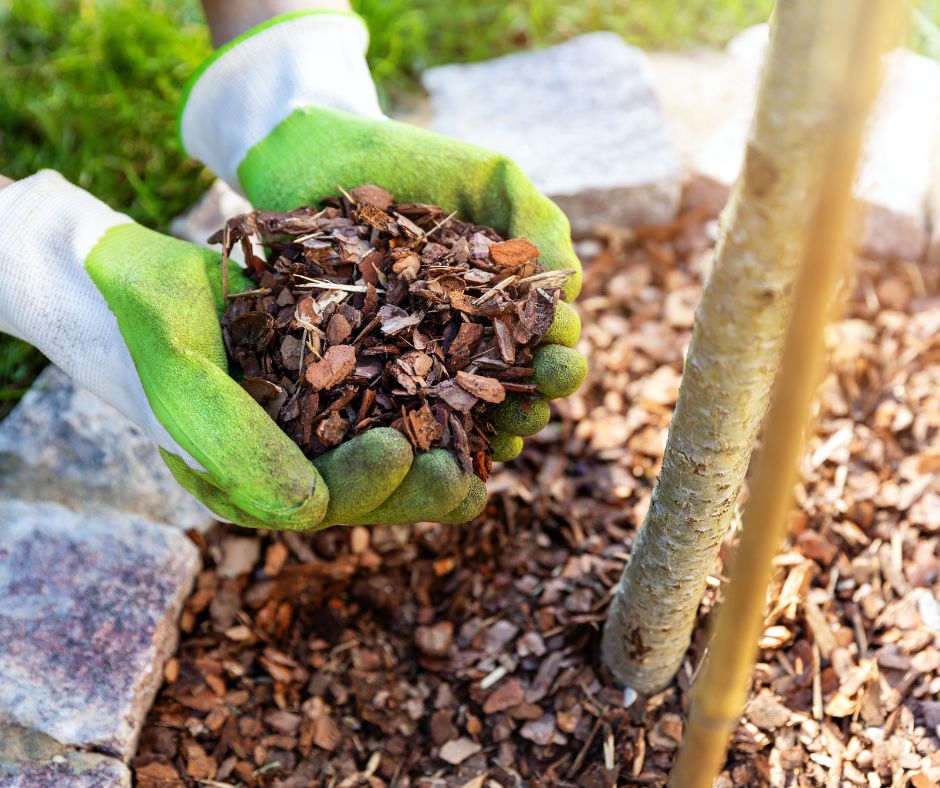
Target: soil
{"type": "Point", "coordinates": [439, 655]}
{"type": "Point", "coordinates": [371, 313]}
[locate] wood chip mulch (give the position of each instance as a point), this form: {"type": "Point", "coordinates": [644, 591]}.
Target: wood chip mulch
{"type": "Point", "coordinates": [467, 656]}
{"type": "Point", "coordinates": [371, 313]}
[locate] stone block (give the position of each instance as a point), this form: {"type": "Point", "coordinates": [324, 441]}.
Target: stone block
{"type": "Point", "coordinates": [29, 759]}
{"type": "Point", "coordinates": [708, 98]}
{"type": "Point", "coordinates": [62, 443]}
{"type": "Point", "coordinates": [697, 90]}
{"type": "Point", "coordinates": [933, 213]}
{"type": "Point", "coordinates": [893, 182]}
{"type": "Point", "coordinates": [88, 617]}
{"type": "Point", "coordinates": [582, 121]}
{"type": "Point", "coordinates": [901, 140]}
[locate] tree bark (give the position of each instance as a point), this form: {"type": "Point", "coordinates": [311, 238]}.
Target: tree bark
{"type": "Point", "coordinates": [730, 367]}
{"type": "Point", "coordinates": [857, 34]}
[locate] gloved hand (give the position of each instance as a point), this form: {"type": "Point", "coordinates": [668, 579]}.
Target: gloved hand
{"type": "Point", "coordinates": [133, 316]}
{"type": "Point", "coordinates": [288, 113]}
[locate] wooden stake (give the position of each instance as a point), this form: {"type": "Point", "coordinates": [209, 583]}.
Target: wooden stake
{"type": "Point", "coordinates": [851, 36]}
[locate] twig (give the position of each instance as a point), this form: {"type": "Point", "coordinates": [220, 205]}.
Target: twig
{"type": "Point", "coordinates": [365, 332]}
{"type": "Point", "coordinates": [226, 244]}
{"type": "Point", "coordinates": [261, 291]}
{"type": "Point", "coordinates": [494, 290]}
{"type": "Point", "coordinates": [347, 195]}
{"type": "Point", "coordinates": [303, 348]}
{"type": "Point", "coordinates": [324, 284]}
{"type": "Point", "coordinates": [579, 761]}
{"type": "Point", "coordinates": [562, 275]}
{"type": "Point", "coordinates": [440, 224]}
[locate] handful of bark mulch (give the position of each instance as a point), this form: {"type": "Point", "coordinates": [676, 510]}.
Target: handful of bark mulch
{"type": "Point", "coordinates": [373, 313]}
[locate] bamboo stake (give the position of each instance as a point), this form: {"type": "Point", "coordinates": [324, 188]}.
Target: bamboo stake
{"type": "Point", "coordinates": [854, 35]}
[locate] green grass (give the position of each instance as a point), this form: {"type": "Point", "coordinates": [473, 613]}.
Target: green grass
{"type": "Point", "coordinates": [925, 28]}
{"type": "Point", "coordinates": [410, 35]}
{"type": "Point", "coordinates": [90, 87]}
{"type": "Point", "coordinates": [19, 364]}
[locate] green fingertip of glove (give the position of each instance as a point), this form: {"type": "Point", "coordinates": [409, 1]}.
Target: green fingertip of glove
{"type": "Point", "coordinates": [363, 472]}
{"type": "Point", "coordinates": [521, 417]}
{"type": "Point", "coordinates": [472, 505]}
{"type": "Point", "coordinates": [572, 287]}
{"type": "Point", "coordinates": [559, 370]}
{"type": "Point", "coordinates": [566, 328]}
{"type": "Point", "coordinates": [305, 516]}
{"type": "Point", "coordinates": [434, 486]}
{"type": "Point", "coordinates": [505, 447]}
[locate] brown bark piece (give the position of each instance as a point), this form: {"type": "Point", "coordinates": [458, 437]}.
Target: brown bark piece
{"type": "Point", "coordinates": [514, 252]}
{"type": "Point", "coordinates": [338, 362]}
{"type": "Point", "coordinates": [424, 427]}
{"type": "Point", "coordinates": [370, 193]}
{"type": "Point", "coordinates": [338, 330]}
{"type": "Point", "coordinates": [487, 389]}
{"type": "Point", "coordinates": [332, 429]}
{"type": "Point", "coordinates": [375, 217]}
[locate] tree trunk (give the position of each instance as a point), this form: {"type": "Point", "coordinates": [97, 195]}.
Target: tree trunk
{"type": "Point", "coordinates": [730, 367]}
{"type": "Point", "coordinates": [857, 32]}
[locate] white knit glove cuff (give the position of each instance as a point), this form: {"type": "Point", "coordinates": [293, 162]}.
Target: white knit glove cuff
{"type": "Point", "coordinates": [250, 87]}
{"type": "Point", "coordinates": [48, 227]}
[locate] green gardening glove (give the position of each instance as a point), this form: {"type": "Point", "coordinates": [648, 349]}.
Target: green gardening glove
{"type": "Point", "coordinates": [166, 296]}
{"type": "Point", "coordinates": [309, 123]}
{"type": "Point", "coordinates": [133, 316]}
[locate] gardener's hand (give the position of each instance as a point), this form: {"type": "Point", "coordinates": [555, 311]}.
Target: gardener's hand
{"type": "Point", "coordinates": [133, 316]}
{"type": "Point", "coordinates": [289, 113]}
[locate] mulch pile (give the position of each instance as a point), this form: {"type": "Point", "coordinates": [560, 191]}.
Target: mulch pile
{"type": "Point", "coordinates": [467, 656]}
{"type": "Point", "coordinates": [370, 313]}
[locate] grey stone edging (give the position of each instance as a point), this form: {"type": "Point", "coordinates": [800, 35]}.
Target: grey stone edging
{"type": "Point", "coordinates": [61, 443]}
{"type": "Point", "coordinates": [88, 617]}
{"type": "Point", "coordinates": [30, 759]}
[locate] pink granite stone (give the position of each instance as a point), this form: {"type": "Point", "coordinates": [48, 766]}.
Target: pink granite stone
{"type": "Point", "coordinates": [88, 612]}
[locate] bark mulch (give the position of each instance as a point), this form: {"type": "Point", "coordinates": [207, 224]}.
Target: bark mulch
{"type": "Point", "coordinates": [467, 656]}
{"type": "Point", "coordinates": [368, 313]}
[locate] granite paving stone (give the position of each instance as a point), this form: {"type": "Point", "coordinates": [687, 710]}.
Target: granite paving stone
{"type": "Point", "coordinates": [29, 759]}
{"type": "Point", "coordinates": [581, 119]}
{"type": "Point", "coordinates": [62, 443]}
{"type": "Point", "coordinates": [902, 136]}
{"type": "Point", "coordinates": [88, 616]}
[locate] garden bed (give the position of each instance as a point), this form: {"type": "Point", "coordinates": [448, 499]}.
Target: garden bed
{"type": "Point", "coordinates": [443, 655]}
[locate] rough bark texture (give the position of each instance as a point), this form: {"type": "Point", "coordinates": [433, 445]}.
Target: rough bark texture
{"type": "Point", "coordinates": [729, 370]}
